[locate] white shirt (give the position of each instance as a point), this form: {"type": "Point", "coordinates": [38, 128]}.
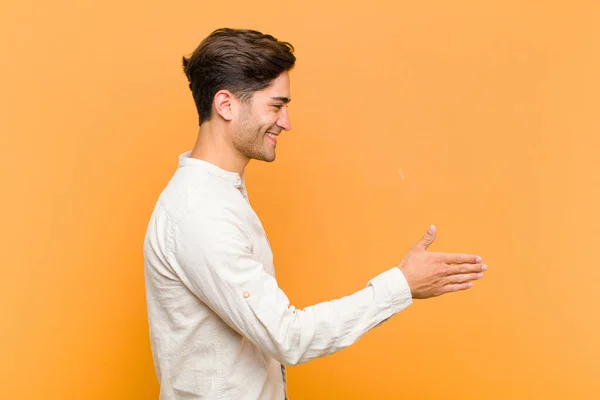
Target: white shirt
{"type": "Point", "coordinates": [220, 326]}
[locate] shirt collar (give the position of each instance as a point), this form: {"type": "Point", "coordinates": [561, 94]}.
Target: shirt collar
{"type": "Point", "coordinates": [231, 177]}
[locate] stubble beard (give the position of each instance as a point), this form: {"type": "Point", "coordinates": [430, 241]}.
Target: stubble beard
{"type": "Point", "coordinates": [250, 140]}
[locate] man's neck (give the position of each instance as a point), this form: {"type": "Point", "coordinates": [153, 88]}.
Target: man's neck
{"type": "Point", "coordinates": [213, 146]}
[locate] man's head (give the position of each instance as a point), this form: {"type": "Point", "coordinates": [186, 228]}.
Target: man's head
{"type": "Point", "coordinates": [240, 77]}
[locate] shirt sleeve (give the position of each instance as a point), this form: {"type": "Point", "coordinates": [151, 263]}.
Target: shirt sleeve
{"type": "Point", "coordinates": [212, 254]}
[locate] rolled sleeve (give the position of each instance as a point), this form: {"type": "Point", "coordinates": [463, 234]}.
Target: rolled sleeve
{"type": "Point", "coordinates": [396, 286]}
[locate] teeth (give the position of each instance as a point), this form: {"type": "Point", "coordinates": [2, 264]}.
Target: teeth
{"type": "Point", "coordinates": [270, 135]}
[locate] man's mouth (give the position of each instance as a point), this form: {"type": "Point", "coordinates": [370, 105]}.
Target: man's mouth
{"type": "Point", "coordinates": [272, 137]}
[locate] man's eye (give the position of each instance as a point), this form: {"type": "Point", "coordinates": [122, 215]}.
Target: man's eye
{"type": "Point", "coordinates": [278, 106]}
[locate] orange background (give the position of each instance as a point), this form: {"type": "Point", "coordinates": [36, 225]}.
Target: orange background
{"type": "Point", "coordinates": [480, 117]}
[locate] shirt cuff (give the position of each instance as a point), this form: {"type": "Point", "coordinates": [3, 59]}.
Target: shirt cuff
{"type": "Point", "coordinates": [396, 287]}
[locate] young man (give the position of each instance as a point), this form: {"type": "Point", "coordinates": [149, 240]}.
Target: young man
{"type": "Point", "coordinates": [220, 326]}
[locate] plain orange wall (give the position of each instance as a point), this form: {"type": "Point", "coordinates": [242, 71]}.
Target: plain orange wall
{"type": "Point", "coordinates": [480, 117]}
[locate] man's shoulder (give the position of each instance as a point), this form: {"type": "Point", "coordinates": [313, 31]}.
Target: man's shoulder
{"type": "Point", "coordinates": [199, 196]}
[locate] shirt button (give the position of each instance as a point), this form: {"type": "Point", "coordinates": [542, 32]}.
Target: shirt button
{"type": "Point", "coordinates": [246, 295]}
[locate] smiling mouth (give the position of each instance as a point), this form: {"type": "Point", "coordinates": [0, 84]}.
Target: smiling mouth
{"type": "Point", "coordinates": [272, 137]}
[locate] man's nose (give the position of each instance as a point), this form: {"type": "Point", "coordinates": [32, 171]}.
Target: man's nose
{"type": "Point", "coordinates": [284, 120]}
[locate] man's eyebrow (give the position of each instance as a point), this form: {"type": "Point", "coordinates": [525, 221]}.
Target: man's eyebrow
{"type": "Point", "coordinates": [284, 99]}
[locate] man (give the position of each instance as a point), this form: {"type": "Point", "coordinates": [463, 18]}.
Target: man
{"type": "Point", "coordinates": [220, 326]}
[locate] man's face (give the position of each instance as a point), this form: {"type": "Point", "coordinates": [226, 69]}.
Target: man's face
{"type": "Point", "coordinates": [262, 119]}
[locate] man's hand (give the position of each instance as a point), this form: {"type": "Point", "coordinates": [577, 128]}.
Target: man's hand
{"type": "Point", "coordinates": [432, 274]}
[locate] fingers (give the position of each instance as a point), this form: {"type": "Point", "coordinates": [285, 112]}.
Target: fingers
{"type": "Point", "coordinates": [428, 238]}
{"type": "Point", "coordinates": [458, 286]}
{"type": "Point", "coordinates": [455, 269]}
{"type": "Point", "coordinates": [462, 259]}
{"type": "Point", "coordinates": [463, 278]}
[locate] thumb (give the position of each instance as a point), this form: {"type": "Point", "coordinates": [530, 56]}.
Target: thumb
{"type": "Point", "coordinates": [428, 238]}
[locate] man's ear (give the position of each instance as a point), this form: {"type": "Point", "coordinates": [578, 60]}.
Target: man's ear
{"type": "Point", "coordinates": [225, 103]}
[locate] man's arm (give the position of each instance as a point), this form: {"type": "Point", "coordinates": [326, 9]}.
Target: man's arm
{"type": "Point", "coordinates": [213, 257]}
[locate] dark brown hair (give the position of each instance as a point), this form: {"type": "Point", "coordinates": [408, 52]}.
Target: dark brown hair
{"type": "Point", "coordinates": [239, 60]}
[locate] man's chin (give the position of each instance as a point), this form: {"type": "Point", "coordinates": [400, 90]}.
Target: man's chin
{"type": "Point", "coordinates": [267, 158]}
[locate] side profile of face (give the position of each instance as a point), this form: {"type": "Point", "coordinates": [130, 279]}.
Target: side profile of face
{"type": "Point", "coordinates": [261, 120]}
